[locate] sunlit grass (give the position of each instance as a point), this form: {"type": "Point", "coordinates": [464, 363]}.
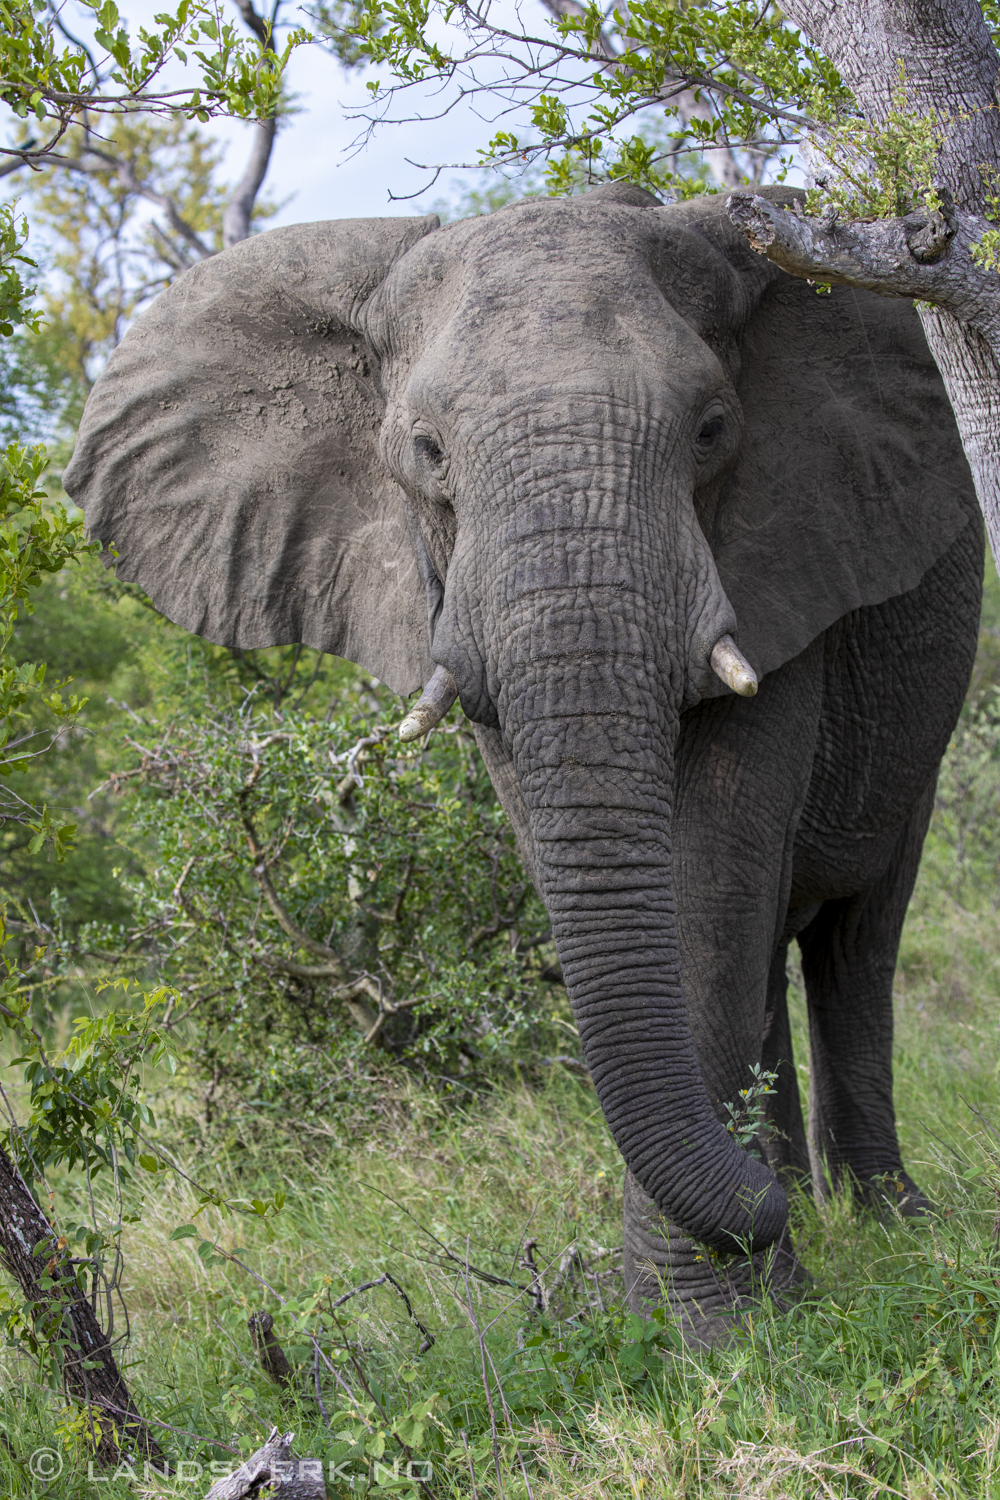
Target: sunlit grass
{"type": "Point", "coordinates": [882, 1382]}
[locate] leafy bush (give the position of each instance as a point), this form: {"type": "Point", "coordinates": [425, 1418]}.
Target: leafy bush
{"type": "Point", "coordinates": [313, 888]}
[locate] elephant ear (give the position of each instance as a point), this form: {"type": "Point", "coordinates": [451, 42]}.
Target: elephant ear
{"type": "Point", "coordinates": [850, 481]}
{"type": "Point", "coordinates": [229, 454]}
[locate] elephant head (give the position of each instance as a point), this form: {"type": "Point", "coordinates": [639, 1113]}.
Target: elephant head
{"type": "Point", "coordinates": [559, 451]}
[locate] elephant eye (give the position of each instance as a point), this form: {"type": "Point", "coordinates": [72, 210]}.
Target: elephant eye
{"type": "Point", "coordinates": [427, 449]}
{"type": "Point", "coordinates": [711, 431]}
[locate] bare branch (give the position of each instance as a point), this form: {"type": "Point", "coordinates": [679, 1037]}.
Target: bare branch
{"type": "Point", "coordinates": [386, 1277]}
{"type": "Point", "coordinates": [239, 210]}
{"type": "Point", "coordinates": [132, 184]}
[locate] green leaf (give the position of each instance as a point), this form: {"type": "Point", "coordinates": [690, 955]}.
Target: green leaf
{"type": "Point", "coordinates": [184, 1232]}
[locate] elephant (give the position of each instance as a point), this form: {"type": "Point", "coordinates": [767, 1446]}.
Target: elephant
{"type": "Point", "coordinates": [695, 544]}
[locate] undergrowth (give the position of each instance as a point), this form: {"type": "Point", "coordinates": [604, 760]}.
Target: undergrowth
{"type": "Point", "coordinates": [513, 1372]}
{"type": "Point", "coordinates": [500, 1220]}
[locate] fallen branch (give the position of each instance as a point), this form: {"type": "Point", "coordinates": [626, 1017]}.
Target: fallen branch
{"type": "Point", "coordinates": [273, 1359]}
{"type": "Point", "coordinates": [276, 1469]}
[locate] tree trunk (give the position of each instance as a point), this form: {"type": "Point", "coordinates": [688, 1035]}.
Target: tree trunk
{"type": "Point", "coordinates": [239, 210]}
{"type": "Point", "coordinates": [970, 368]}
{"type": "Point", "coordinates": [65, 1321]}
{"type": "Point", "coordinates": [951, 67]}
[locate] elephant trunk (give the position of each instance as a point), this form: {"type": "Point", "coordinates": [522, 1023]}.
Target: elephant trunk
{"type": "Point", "coordinates": [587, 684]}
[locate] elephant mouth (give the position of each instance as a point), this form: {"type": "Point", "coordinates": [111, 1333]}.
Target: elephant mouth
{"type": "Point", "coordinates": [726, 659]}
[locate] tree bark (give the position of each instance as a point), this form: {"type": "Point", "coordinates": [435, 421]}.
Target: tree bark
{"type": "Point", "coordinates": [275, 1465]}
{"type": "Point", "coordinates": [970, 368]}
{"type": "Point", "coordinates": [239, 210]}
{"type": "Point", "coordinates": [949, 62]}
{"type": "Point", "coordinates": [63, 1317]}
{"type": "Point", "coordinates": [924, 256]}
{"type": "Point", "coordinates": [951, 67]}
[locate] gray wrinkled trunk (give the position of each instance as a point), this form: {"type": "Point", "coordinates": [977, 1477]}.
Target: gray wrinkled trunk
{"type": "Point", "coordinates": [587, 681]}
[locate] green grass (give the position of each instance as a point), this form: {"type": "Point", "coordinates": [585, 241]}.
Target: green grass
{"type": "Point", "coordinates": [884, 1381]}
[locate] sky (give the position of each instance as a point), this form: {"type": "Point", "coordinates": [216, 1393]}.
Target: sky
{"type": "Point", "coordinates": [313, 166]}
{"type": "Point", "coordinates": [313, 163]}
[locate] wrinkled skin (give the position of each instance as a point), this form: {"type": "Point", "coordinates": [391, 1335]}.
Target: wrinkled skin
{"type": "Point", "coordinates": [581, 605]}
{"type": "Point", "coordinates": [817, 837]}
{"type": "Point", "coordinates": [561, 410]}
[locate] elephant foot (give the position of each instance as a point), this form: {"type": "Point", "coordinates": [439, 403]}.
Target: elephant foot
{"type": "Point", "coordinates": [709, 1295]}
{"type": "Point", "coordinates": [897, 1192]}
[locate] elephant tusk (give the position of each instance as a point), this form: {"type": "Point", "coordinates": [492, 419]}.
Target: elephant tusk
{"type": "Point", "coordinates": [431, 707]}
{"type": "Point", "coordinates": [729, 663]}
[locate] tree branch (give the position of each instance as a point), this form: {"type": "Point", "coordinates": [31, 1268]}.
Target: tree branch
{"type": "Point", "coordinates": [239, 210]}
{"type": "Point", "coordinates": [924, 256]}
{"type": "Point", "coordinates": [238, 214]}
{"type": "Point", "coordinates": [133, 184]}
{"type": "Point", "coordinates": [351, 989]}
{"type": "Point", "coordinates": [560, 8]}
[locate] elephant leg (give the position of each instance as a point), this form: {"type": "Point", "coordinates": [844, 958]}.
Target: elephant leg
{"type": "Point", "coordinates": [704, 1291]}
{"type": "Point", "coordinates": [785, 1145]}
{"type": "Point", "coordinates": [743, 769]}
{"type": "Point", "coordinates": [849, 960]}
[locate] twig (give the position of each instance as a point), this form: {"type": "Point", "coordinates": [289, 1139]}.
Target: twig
{"type": "Point", "coordinates": [476, 1271]}
{"type": "Point", "coordinates": [486, 1384]}
{"type": "Point", "coordinates": [978, 1112]}
{"type": "Point", "coordinates": [206, 1442]}
{"type": "Point", "coordinates": [386, 1276]}
{"type": "Point", "coordinates": [468, 1459]}
{"type": "Point", "coordinates": [319, 1394]}
{"type": "Point", "coordinates": [397, 905]}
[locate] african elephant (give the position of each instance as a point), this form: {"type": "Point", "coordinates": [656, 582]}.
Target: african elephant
{"type": "Point", "coordinates": [562, 452]}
